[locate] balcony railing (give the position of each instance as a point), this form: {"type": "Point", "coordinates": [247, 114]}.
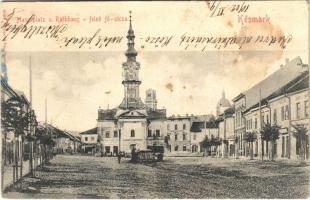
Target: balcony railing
{"type": "Point", "coordinates": [155, 137]}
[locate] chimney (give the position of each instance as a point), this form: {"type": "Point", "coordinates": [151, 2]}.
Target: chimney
{"type": "Point", "coordinates": [305, 67]}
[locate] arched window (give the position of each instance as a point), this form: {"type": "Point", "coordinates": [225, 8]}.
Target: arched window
{"type": "Point", "coordinates": [132, 133]}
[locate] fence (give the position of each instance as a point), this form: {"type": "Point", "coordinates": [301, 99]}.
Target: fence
{"type": "Point", "coordinates": [17, 162]}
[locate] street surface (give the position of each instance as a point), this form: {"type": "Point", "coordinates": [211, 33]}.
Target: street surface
{"type": "Point", "coordinates": [102, 177]}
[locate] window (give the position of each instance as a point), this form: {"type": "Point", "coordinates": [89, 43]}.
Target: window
{"type": "Point", "coordinates": [157, 133]}
{"type": "Point", "coordinates": [176, 148]}
{"type": "Point", "coordinates": [267, 118]}
{"type": "Point", "coordinates": [282, 113]}
{"type": "Point", "coordinates": [251, 123]}
{"type": "Point", "coordinates": [184, 126]}
{"type": "Point", "coordinates": [86, 138]}
{"type": "Point", "coordinates": [255, 125]}
{"type": "Point", "coordinates": [275, 116]}
{"type": "Point", "coordinates": [132, 133]}
{"type": "Point", "coordinates": [194, 137]}
{"type": "Point", "coordinates": [184, 148]}
{"type": "Point", "coordinates": [176, 137]}
{"type": "Point", "coordinates": [175, 127]}
{"type": "Point", "coordinates": [298, 108]}
{"type": "Point", "coordinates": [107, 134]}
{"type": "Point", "coordinates": [107, 149]}
{"type": "Point", "coordinates": [92, 138]}
{"type": "Point", "coordinates": [115, 134]}
{"type": "Point", "coordinates": [286, 112]}
{"type": "Point", "coordinates": [168, 127]}
{"type": "Point", "coordinates": [184, 136]}
{"type": "Point", "coordinates": [149, 133]}
{"type": "Point", "coordinates": [306, 108]}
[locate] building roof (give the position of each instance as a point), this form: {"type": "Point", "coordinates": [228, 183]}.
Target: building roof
{"type": "Point", "coordinates": [156, 114]}
{"type": "Point", "coordinates": [201, 118]}
{"type": "Point", "coordinates": [58, 133]}
{"type": "Point", "coordinates": [178, 117]}
{"type": "Point", "coordinates": [197, 126]}
{"type": "Point", "coordinates": [90, 131]}
{"type": "Point", "coordinates": [273, 82]}
{"type": "Point", "coordinates": [228, 112]}
{"type": "Point", "coordinates": [299, 83]}
{"type": "Point", "coordinates": [108, 114]}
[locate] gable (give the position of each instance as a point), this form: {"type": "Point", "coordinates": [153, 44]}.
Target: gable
{"type": "Point", "coordinates": [132, 114]}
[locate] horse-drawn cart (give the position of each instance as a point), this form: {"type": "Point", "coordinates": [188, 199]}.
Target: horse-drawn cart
{"type": "Point", "coordinates": [148, 155]}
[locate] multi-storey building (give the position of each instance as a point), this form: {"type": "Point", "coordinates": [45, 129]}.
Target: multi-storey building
{"type": "Point", "coordinates": [89, 140]}
{"type": "Point", "coordinates": [202, 127]}
{"type": "Point", "coordinates": [253, 98]}
{"type": "Point", "coordinates": [178, 133]}
{"type": "Point", "coordinates": [289, 107]}
{"type": "Point", "coordinates": [133, 124]}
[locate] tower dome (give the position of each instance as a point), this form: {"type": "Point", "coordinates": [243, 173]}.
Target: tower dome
{"type": "Point", "coordinates": [222, 104]}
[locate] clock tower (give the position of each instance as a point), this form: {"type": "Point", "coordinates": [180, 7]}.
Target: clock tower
{"type": "Point", "coordinates": [131, 80]}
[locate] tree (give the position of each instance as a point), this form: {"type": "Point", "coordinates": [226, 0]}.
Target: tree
{"type": "Point", "coordinates": [206, 144]}
{"type": "Point", "coordinates": [215, 141]}
{"type": "Point", "coordinates": [250, 137]}
{"type": "Point", "coordinates": [15, 117]}
{"type": "Point", "coordinates": [300, 134]}
{"type": "Point", "coordinates": [45, 136]}
{"type": "Point", "coordinates": [270, 133]}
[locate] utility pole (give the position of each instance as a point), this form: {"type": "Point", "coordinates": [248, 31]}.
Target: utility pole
{"type": "Point", "coordinates": [260, 122]}
{"type": "Point", "coordinates": [30, 109]}
{"type": "Point", "coordinates": [46, 132]}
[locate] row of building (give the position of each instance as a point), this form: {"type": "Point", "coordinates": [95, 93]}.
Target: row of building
{"type": "Point", "coordinates": [282, 98]}
{"type": "Point", "coordinates": [64, 141]}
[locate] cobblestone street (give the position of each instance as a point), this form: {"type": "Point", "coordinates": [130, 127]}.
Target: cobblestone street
{"type": "Point", "coordinates": [97, 177]}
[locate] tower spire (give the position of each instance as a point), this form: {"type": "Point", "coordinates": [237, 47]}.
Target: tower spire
{"type": "Point", "coordinates": [131, 53]}
{"type": "Point", "coordinates": [130, 27]}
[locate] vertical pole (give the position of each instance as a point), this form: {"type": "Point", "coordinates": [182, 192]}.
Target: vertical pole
{"type": "Point", "coordinates": [13, 161]}
{"type": "Point", "coordinates": [30, 110]}
{"type": "Point", "coordinates": [309, 79]}
{"type": "Point", "coordinates": [21, 157]}
{"type": "Point", "coordinates": [289, 128]}
{"type": "Point", "coordinates": [46, 132]}
{"type": "Point", "coordinates": [260, 122]}
{"type": "Point", "coordinates": [119, 139]}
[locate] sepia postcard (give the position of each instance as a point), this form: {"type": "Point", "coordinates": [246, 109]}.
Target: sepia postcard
{"type": "Point", "coordinates": [155, 100]}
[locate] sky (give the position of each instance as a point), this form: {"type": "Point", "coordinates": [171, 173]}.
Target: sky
{"type": "Point", "coordinates": [74, 81]}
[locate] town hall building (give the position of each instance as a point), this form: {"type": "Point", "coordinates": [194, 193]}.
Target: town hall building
{"type": "Point", "coordinates": [133, 124]}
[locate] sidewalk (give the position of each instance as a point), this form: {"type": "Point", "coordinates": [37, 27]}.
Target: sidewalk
{"type": "Point", "coordinates": [8, 173]}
